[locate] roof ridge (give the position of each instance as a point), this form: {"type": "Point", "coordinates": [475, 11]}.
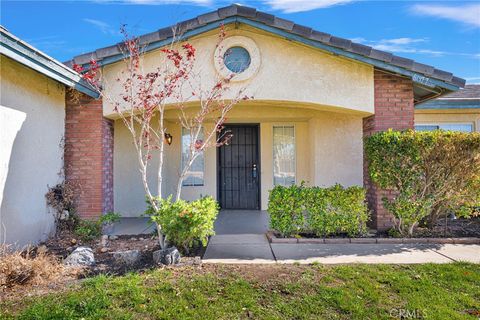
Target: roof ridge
{"type": "Point", "coordinates": [271, 21]}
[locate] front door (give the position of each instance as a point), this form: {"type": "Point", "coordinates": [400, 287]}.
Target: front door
{"type": "Point", "coordinates": [239, 170]}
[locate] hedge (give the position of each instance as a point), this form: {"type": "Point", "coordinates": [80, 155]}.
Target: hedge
{"type": "Point", "coordinates": [321, 211]}
{"type": "Point", "coordinates": [432, 173]}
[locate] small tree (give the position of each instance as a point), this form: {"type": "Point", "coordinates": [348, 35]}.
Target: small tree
{"type": "Point", "coordinates": [147, 95]}
{"type": "Point", "coordinates": [430, 172]}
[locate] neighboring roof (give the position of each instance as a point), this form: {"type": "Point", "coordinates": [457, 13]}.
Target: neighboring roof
{"type": "Point", "coordinates": [467, 98]}
{"type": "Point", "coordinates": [429, 81]}
{"type": "Point", "coordinates": [22, 52]}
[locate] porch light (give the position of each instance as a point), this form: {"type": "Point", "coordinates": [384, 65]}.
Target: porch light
{"type": "Point", "coordinates": [168, 138]}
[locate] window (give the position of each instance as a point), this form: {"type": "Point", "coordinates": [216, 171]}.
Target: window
{"type": "Point", "coordinates": [196, 173]}
{"type": "Point", "coordinates": [284, 160]}
{"type": "Point", "coordinates": [462, 127]}
{"type": "Point", "coordinates": [237, 59]}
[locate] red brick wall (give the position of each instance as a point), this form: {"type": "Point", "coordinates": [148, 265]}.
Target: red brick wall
{"type": "Point", "coordinates": [107, 127]}
{"type": "Point", "coordinates": [394, 109]}
{"type": "Point", "coordinates": [89, 155]}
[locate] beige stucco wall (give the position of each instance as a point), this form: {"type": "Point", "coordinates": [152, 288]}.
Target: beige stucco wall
{"type": "Point", "coordinates": [288, 72]}
{"type": "Point", "coordinates": [32, 117]}
{"type": "Point", "coordinates": [328, 150]}
{"type": "Point", "coordinates": [471, 116]}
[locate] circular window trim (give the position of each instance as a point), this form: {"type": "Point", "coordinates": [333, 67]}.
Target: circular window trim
{"type": "Point", "coordinates": [237, 41]}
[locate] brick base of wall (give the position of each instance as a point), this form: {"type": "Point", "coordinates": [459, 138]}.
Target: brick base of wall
{"type": "Point", "coordinates": [394, 109]}
{"type": "Point", "coordinates": [89, 154]}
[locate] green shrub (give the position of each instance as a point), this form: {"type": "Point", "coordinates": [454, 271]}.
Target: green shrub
{"type": "Point", "coordinates": [432, 173]}
{"type": "Point", "coordinates": [285, 207]}
{"type": "Point", "coordinates": [88, 230]}
{"type": "Point", "coordinates": [336, 210]}
{"type": "Point", "coordinates": [110, 217]}
{"type": "Point", "coordinates": [323, 211]}
{"type": "Point", "coordinates": [183, 223]}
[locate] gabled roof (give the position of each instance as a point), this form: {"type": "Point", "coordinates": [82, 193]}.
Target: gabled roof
{"type": "Point", "coordinates": [22, 52]}
{"type": "Point", "coordinates": [429, 81]}
{"type": "Point", "coordinates": [467, 98]}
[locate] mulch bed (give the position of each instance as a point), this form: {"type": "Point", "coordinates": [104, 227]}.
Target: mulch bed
{"type": "Point", "coordinates": [66, 242]}
{"type": "Point", "coordinates": [459, 228]}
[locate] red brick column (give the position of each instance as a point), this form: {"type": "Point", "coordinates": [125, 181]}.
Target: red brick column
{"type": "Point", "coordinates": [89, 154]}
{"type": "Point", "coordinates": [394, 109]}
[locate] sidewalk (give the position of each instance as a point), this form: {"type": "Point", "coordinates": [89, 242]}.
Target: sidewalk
{"type": "Point", "coordinates": [255, 248]}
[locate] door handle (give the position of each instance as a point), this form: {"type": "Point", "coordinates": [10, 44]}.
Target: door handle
{"type": "Point", "coordinates": [254, 171]}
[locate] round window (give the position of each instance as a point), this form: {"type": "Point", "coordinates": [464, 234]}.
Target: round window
{"type": "Point", "coordinates": [237, 59]}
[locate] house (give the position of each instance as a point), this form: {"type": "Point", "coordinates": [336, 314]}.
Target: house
{"type": "Point", "coordinates": [32, 126]}
{"type": "Point", "coordinates": [456, 111]}
{"type": "Point", "coordinates": [315, 96]}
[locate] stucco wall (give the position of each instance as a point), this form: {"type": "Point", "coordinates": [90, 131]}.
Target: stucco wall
{"type": "Point", "coordinates": [31, 128]}
{"type": "Point", "coordinates": [471, 116]}
{"type": "Point", "coordinates": [328, 150]}
{"type": "Point", "coordinates": [288, 72]}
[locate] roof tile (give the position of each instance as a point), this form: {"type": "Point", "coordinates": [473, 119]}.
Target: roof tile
{"type": "Point", "coordinates": [381, 55]}
{"type": "Point", "coordinates": [422, 68]}
{"type": "Point", "coordinates": [246, 12]}
{"type": "Point", "coordinates": [444, 75]}
{"type": "Point", "coordinates": [302, 30]}
{"type": "Point", "coordinates": [186, 25]}
{"type": "Point", "coordinates": [402, 62]}
{"type": "Point", "coordinates": [227, 11]}
{"type": "Point", "coordinates": [361, 49]}
{"type": "Point", "coordinates": [340, 42]}
{"type": "Point", "coordinates": [320, 36]}
{"type": "Point", "coordinates": [265, 18]}
{"type": "Point", "coordinates": [461, 82]}
{"type": "Point", "coordinates": [149, 37]}
{"type": "Point", "coordinates": [167, 32]}
{"type": "Point", "coordinates": [283, 24]}
{"type": "Point", "coordinates": [208, 17]}
{"type": "Point", "coordinates": [108, 51]}
{"type": "Point", "coordinates": [85, 58]}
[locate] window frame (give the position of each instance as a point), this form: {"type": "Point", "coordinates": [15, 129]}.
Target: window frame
{"type": "Point", "coordinates": [294, 149]}
{"type": "Point", "coordinates": [183, 129]}
{"type": "Point", "coordinates": [438, 124]}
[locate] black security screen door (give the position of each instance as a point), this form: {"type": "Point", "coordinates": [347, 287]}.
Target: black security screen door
{"type": "Point", "coordinates": [238, 169]}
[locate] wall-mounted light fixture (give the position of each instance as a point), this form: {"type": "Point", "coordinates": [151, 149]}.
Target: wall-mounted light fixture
{"type": "Point", "coordinates": [168, 138]}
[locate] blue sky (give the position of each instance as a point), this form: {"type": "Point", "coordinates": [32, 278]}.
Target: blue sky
{"type": "Point", "coordinates": [444, 34]}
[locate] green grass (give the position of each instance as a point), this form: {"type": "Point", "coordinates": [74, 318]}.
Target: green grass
{"type": "Point", "coordinates": [448, 291]}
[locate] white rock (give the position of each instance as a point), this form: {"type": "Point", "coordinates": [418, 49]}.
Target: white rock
{"type": "Point", "coordinates": [82, 256]}
{"type": "Point", "coordinates": [128, 257]}
{"type": "Point", "coordinates": [167, 256]}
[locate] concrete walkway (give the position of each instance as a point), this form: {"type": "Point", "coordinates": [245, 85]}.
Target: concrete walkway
{"type": "Point", "coordinates": [254, 248]}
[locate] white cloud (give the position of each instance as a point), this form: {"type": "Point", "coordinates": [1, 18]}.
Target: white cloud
{"type": "Point", "coordinates": [409, 45]}
{"type": "Point", "coordinates": [290, 6]}
{"type": "Point", "coordinates": [102, 26]}
{"type": "Point", "coordinates": [467, 14]}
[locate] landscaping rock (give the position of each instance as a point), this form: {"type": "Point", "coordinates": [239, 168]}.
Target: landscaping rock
{"type": "Point", "coordinates": [104, 241]}
{"type": "Point", "coordinates": [129, 257]}
{"type": "Point", "coordinates": [113, 237]}
{"type": "Point", "coordinates": [167, 256]}
{"type": "Point", "coordinates": [197, 261]}
{"type": "Point", "coordinates": [82, 256]}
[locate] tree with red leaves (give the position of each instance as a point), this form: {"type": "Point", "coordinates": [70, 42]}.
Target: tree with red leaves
{"type": "Point", "coordinates": [146, 95]}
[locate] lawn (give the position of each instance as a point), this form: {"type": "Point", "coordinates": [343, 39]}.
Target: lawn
{"type": "Point", "coordinates": [448, 291]}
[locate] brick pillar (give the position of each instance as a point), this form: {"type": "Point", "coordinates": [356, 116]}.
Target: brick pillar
{"type": "Point", "coordinates": [394, 109]}
{"type": "Point", "coordinates": [107, 127]}
{"type": "Point", "coordinates": [89, 154]}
